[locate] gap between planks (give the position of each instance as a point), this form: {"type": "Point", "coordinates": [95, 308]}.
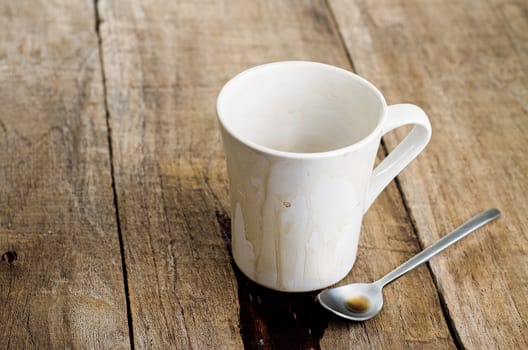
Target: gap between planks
{"type": "Point", "coordinates": [111, 161]}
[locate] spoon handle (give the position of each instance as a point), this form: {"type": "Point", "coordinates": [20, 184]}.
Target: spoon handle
{"type": "Point", "coordinates": [449, 239]}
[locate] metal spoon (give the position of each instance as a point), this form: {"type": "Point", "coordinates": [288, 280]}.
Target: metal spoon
{"type": "Point", "coordinates": [362, 301]}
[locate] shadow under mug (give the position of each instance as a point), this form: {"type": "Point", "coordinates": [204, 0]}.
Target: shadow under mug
{"type": "Point", "coordinates": [301, 139]}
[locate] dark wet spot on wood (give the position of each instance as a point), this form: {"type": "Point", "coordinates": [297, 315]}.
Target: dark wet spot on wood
{"type": "Point", "coordinates": [9, 256]}
{"type": "Point", "coordinates": [270, 319]}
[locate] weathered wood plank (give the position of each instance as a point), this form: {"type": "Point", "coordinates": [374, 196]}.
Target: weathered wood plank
{"type": "Point", "coordinates": [61, 282]}
{"type": "Point", "coordinates": [466, 63]}
{"type": "Point", "coordinates": [165, 62]}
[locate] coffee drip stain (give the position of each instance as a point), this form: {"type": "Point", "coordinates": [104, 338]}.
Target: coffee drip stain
{"type": "Point", "coordinates": [271, 319]}
{"type": "Point", "coordinates": [357, 303]}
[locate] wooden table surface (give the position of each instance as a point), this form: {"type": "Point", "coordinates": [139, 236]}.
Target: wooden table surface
{"type": "Point", "coordinates": [114, 215]}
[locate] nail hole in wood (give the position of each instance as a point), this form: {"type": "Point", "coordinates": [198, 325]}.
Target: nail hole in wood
{"type": "Point", "coordinates": [9, 256]}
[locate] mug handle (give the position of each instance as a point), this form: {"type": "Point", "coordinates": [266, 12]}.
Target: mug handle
{"type": "Point", "coordinates": [399, 115]}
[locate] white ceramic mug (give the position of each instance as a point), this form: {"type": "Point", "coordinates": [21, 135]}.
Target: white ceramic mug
{"type": "Point", "coordinates": [301, 139]}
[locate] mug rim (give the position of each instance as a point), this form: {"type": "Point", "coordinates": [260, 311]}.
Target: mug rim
{"type": "Point", "coordinates": [302, 155]}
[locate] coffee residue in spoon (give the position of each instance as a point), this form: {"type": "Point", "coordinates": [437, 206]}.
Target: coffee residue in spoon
{"type": "Point", "coordinates": [357, 303]}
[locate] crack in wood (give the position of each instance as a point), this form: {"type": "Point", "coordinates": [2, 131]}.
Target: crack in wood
{"type": "Point", "coordinates": [98, 22]}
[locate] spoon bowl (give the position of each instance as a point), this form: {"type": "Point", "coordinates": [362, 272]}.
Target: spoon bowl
{"type": "Point", "coordinates": [338, 300]}
{"type": "Point", "coordinates": [362, 301]}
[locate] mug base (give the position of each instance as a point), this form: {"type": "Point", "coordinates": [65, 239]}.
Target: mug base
{"type": "Point", "coordinates": [310, 288]}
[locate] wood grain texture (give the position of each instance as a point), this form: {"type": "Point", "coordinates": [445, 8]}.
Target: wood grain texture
{"type": "Point", "coordinates": [466, 64]}
{"type": "Point", "coordinates": [164, 64]}
{"type": "Point", "coordinates": [61, 283]}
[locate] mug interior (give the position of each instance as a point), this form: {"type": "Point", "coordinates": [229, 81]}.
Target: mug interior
{"type": "Point", "coordinates": [300, 107]}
